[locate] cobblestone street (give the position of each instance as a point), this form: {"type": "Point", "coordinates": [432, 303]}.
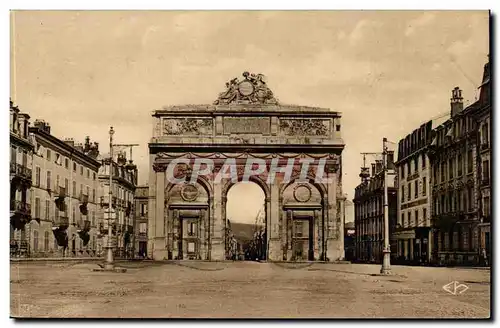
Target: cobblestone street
{"type": "Point", "coordinates": [245, 290]}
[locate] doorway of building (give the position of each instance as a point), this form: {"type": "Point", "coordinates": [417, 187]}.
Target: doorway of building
{"type": "Point", "coordinates": [302, 238]}
{"type": "Point", "coordinates": [189, 243]}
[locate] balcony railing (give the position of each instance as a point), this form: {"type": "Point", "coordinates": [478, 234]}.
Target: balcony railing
{"type": "Point", "coordinates": [20, 171]}
{"type": "Point", "coordinates": [20, 207]}
{"type": "Point", "coordinates": [62, 221]}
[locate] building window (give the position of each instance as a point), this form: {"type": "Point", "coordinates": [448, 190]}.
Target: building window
{"type": "Point", "coordinates": [81, 170]}
{"type": "Point", "coordinates": [92, 215]}
{"type": "Point", "coordinates": [450, 168]}
{"type": "Point", "coordinates": [88, 191]}
{"type": "Point", "coordinates": [423, 160]}
{"type": "Point", "coordinates": [47, 209]}
{"type": "Point", "coordinates": [73, 217]}
{"type": "Point", "coordinates": [93, 173]}
{"type": "Point", "coordinates": [424, 186]}
{"type": "Point", "coordinates": [416, 163]}
{"type": "Point", "coordinates": [443, 204]}
{"type": "Point", "coordinates": [37, 176]}
{"type": "Point", "coordinates": [409, 191]}
{"type": "Point", "coordinates": [484, 134]}
{"type": "Point", "coordinates": [469, 161]}
{"type": "Point", "coordinates": [486, 171]}
{"type": "Point", "coordinates": [74, 166]}
{"type": "Point", "coordinates": [144, 209]}
{"type": "Point", "coordinates": [35, 240]}
{"type": "Point", "coordinates": [13, 155]}
{"type": "Point", "coordinates": [66, 185]}
{"type": "Point", "coordinates": [459, 165]}
{"type": "Point", "coordinates": [48, 180]}
{"type": "Point", "coordinates": [88, 173]}
{"type": "Point", "coordinates": [416, 188]}
{"type": "Point", "coordinates": [443, 170]}
{"type": "Point", "coordinates": [46, 240]}
{"type": "Point", "coordinates": [74, 189]}
{"type": "Point", "coordinates": [48, 154]}
{"type": "Point", "coordinates": [403, 220]}
{"type": "Point", "coordinates": [37, 208]}
{"type": "Point", "coordinates": [402, 171]}
{"type": "Point", "coordinates": [93, 195]}
{"type": "Point", "coordinates": [409, 167]}
{"type": "Point", "coordinates": [409, 219]}
{"type": "Point", "coordinates": [486, 206]}
{"type": "Point", "coordinates": [143, 227]}
{"type": "Point", "coordinates": [66, 163]}
{"type": "Point", "coordinates": [469, 198]}
{"type": "Point", "coordinates": [424, 216]}
{"type": "Point", "coordinates": [416, 219]}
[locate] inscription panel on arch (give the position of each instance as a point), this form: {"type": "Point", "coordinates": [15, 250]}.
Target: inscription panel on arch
{"type": "Point", "coordinates": [247, 125]}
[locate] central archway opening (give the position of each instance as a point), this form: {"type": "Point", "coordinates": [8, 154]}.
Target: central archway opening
{"type": "Point", "coordinates": [246, 222]}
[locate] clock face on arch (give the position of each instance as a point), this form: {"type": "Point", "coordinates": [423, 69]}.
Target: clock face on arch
{"type": "Point", "coordinates": [246, 88]}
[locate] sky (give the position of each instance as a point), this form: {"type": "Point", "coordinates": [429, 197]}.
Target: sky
{"type": "Point", "coordinates": [386, 72]}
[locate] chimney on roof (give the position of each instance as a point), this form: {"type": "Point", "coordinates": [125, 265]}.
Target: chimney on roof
{"type": "Point", "coordinates": [79, 147]}
{"type": "Point", "coordinates": [42, 125]}
{"type": "Point", "coordinates": [457, 102]}
{"type": "Point", "coordinates": [70, 141]}
{"type": "Point", "coordinates": [373, 169]}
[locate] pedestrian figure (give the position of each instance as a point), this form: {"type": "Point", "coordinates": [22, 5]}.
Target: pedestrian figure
{"type": "Point", "coordinates": [485, 257]}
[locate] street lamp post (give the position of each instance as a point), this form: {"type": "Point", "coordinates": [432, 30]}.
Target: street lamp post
{"type": "Point", "coordinates": [386, 264]}
{"type": "Point", "coordinates": [109, 259]}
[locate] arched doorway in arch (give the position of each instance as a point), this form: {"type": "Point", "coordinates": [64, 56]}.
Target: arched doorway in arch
{"type": "Point", "coordinates": [246, 222]}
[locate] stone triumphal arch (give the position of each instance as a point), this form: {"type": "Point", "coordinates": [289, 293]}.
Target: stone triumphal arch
{"type": "Point", "coordinates": [304, 215]}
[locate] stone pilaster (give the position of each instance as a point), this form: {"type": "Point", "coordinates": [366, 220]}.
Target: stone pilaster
{"type": "Point", "coordinates": [273, 224]}
{"type": "Point", "coordinates": [332, 242]}
{"type": "Point", "coordinates": [218, 225]}
{"type": "Point", "coordinates": [317, 234]}
{"type": "Point", "coordinates": [159, 242]}
{"type": "Point", "coordinates": [202, 235]}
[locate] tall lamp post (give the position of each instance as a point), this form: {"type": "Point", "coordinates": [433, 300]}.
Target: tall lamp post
{"type": "Point", "coordinates": [109, 258]}
{"type": "Point", "coordinates": [386, 264]}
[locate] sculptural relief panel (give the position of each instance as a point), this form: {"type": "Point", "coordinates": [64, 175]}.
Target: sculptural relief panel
{"type": "Point", "coordinates": [247, 125]}
{"type": "Point", "coordinates": [304, 127]}
{"type": "Point", "coordinates": [187, 126]}
{"type": "Point", "coordinates": [187, 193]}
{"type": "Point", "coordinates": [299, 192]}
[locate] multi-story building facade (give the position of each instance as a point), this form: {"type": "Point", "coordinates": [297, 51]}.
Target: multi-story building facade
{"type": "Point", "coordinates": [369, 210]}
{"type": "Point", "coordinates": [141, 220]}
{"type": "Point", "coordinates": [413, 229]}
{"type": "Point", "coordinates": [124, 175]}
{"type": "Point", "coordinates": [483, 119]}
{"type": "Point", "coordinates": [461, 168]}
{"type": "Point", "coordinates": [64, 195]}
{"type": "Point", "coordinates": [21, 154]}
